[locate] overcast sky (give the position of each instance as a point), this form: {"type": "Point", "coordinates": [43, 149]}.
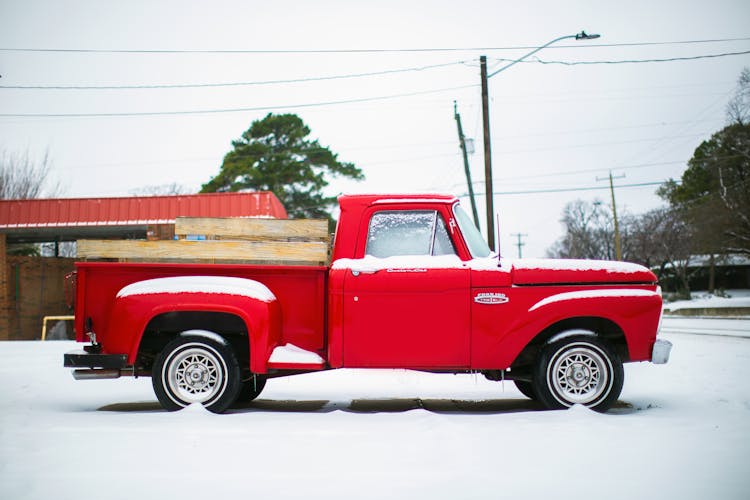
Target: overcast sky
{"type": "Point", "coordinates": [554, 126]}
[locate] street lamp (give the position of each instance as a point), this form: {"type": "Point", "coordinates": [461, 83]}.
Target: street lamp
{"type": "Point", "coordinates": [486, 122]}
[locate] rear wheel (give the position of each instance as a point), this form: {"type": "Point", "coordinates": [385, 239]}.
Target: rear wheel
{"type": "Point", "coordinates": [196, 367]}
{"type": "Point", "coordinates": [579, 369]}
{"type": "Point", "coordinates": [252, 388]}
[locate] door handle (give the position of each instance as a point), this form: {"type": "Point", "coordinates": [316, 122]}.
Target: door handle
{"type": "Point", "coordinates": [369, 270]}
{"type": "Point", "coordinates": [364, 270]}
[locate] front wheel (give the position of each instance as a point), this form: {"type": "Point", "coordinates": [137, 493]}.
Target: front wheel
{"type": "Point", "coordinates": [580, 369]}
{"type": "Point", "coordinates": [196, 367]}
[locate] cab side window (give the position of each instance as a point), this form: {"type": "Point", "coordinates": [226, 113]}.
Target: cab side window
{"type": "Point", "coordinates": [412, 232]}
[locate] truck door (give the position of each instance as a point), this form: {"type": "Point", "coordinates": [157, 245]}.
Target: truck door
{"type": "Point", "coordinates": [406, 303]}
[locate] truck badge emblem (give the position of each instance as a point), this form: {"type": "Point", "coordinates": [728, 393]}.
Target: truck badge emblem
{"type": "Point", "coordinates": [491, 298]}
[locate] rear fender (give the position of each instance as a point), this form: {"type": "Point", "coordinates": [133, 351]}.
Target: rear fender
{"type": "Point", "coordinates": [137, 304]}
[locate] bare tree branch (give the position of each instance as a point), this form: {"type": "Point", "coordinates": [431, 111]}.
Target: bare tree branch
{"type": "Point", "coordinates": [738, 108]}
{"type": "Point", "coordinates": [21, 177]}
{"type": "Point", "coordinates": [160, 190]}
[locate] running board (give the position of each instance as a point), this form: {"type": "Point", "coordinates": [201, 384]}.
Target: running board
{"type": "Point", "coordinates": [291, 357]}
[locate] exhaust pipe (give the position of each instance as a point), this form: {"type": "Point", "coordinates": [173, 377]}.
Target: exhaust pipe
{"type": "Point", "coordinates": [95, 374]}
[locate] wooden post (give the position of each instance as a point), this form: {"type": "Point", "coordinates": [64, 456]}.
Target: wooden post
{"type": "Point", "coordinates": [467, 171]}
{"type": "Point", "coordinates": [489, 201]}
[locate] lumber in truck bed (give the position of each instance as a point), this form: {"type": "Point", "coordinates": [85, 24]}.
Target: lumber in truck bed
{"type": "Point", "coordinates": [226, 240]}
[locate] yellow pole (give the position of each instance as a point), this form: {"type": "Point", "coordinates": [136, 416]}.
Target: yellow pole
{"type": "Point", "coordinates": [53, 318]}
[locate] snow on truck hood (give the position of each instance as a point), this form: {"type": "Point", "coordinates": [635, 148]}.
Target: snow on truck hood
{"type": "Point", "coordinates": [569, 271]}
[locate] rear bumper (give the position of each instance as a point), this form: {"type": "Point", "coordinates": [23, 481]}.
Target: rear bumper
{"type": "Point", "coordinates": [660, 353]}
{"type": "Point", "coordinates": [81, 359]}
{"type": "Point", "coordinates": [95, 365]}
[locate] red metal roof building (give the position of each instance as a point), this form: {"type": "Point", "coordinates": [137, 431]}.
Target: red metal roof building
{"type": "Point", "coordinates": [67, 219]}
{"type": "Point", "coordinates": [32, 287]}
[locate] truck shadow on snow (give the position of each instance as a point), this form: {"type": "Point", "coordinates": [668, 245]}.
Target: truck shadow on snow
{"type": "Point", "coordinates": [387, 405]}
{"type": "Point", "coordinates": [391, 405]}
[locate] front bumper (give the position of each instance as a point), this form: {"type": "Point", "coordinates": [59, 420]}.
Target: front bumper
{"type": "Point", "coordinates": [660, 352]}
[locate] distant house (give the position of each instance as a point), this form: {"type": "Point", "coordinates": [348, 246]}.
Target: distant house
{"type": "Point", "coordinates": [730, 272]}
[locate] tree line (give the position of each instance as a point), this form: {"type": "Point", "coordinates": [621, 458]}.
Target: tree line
{"type": "Point", "coordinates": [707, 210]}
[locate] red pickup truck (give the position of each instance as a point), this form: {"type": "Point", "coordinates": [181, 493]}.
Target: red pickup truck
{"type": "Point", "coordinates": [412, 285]}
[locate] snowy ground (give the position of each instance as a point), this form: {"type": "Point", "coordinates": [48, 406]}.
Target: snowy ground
{"type": "Point", "coordinates": [726, 327]}
{"type": "Point", "coordinates": [681, 430]}
{"type": "Point", "coordinates": [701, 300]}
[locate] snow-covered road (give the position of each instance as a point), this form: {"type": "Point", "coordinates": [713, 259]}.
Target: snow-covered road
{"type": "Point", "coordinates": [681, 430]}
{"type": "Point", "coordinates": [707, 326]}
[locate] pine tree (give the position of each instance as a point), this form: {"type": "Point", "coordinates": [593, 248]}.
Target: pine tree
{"type": "Point", "coordinates": [275, 154]}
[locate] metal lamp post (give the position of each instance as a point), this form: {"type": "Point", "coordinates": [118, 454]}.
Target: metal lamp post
{"type": "Point", "coordinates": [486, 125]}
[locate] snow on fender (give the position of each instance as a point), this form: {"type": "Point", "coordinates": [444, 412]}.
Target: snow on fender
{"type": "Point", "coordinates": [200, 284]}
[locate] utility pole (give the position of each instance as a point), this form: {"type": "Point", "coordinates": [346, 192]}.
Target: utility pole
{"type": "Point", "coordinates": [462, 140]}
{"type": "Point", "coordinates": [519, 243]}
{"type": "Point", "coordinates": [486, 123]}
{"type": "Point", "coordinates": [618, 245]}
{"type": "Point", "coordinates": [487, 154]}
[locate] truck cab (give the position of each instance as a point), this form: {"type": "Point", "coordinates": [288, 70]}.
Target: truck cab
{"type": "Point", "coordinates": [403, 283]}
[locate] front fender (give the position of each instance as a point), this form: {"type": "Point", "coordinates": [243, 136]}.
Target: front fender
{"type": "Point", "coordinates": [635, 311]}
{"type": "Point", "coordinates": [137, 304]}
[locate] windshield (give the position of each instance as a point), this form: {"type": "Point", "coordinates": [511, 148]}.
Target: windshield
{"type": "Point", "coordinates": [474, 240]}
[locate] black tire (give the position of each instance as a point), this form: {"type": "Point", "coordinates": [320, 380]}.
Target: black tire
{"type": "Point", "coordinates": [196, 367]}
{"type": "Point", "coordinates": [251, 389]}
{"type": "Point", "coordinates": [526, 388]}
{"type": "Point", "coordinates": [580, 369]}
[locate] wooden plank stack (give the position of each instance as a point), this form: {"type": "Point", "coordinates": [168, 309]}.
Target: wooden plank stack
{"type": "Point", "coordinates": [226, 240]}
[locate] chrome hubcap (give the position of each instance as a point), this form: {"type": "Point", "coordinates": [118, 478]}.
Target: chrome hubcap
{"type": "Point", "coordinates": [579, 374]}
{"type": "Point", "coordinates": [195, 374]}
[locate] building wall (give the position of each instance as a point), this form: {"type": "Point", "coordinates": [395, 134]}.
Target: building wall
{"type": "Point", "coordinates": [4, 305]}
{"type": "Point", "coordinates": [34, 287]}
{"type": "Point", "coordinates": [726, 277]}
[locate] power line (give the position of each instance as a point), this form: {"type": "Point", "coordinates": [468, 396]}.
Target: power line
{"type": "Point", "coordinates": [347, 151]}
{"type": "Point", "coordinates": [547, 149]}
{"type": "Point", "coordinates": [338, 77]}
{"type": "Point", "coordinates": [698, 118]}
{"type": "Point", "coordinates": [560, 173]}
{"type": "Point", "coordinates": [555, 148]}
{"type": "Point", "coordinates": [352, 51]}
{"type": "Point", "coordinates": [635, 61]}
{"type": "Point", "coordinates": [232, 110]}
{"type": "Point", "coordinates": [230, 84]}
{"type": "Point", "coordinates": [566, 190]}
{"type": "Point", "coordinates": [595, 144]}
{"type": "Point", "coordinates": [583, 171]}
{"type": "Point", "coordinates": [593, 130]}
{"type": "Point", "coordinates": [290, 106]}
{"type": "Point", "coordinates": [566, 131]}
